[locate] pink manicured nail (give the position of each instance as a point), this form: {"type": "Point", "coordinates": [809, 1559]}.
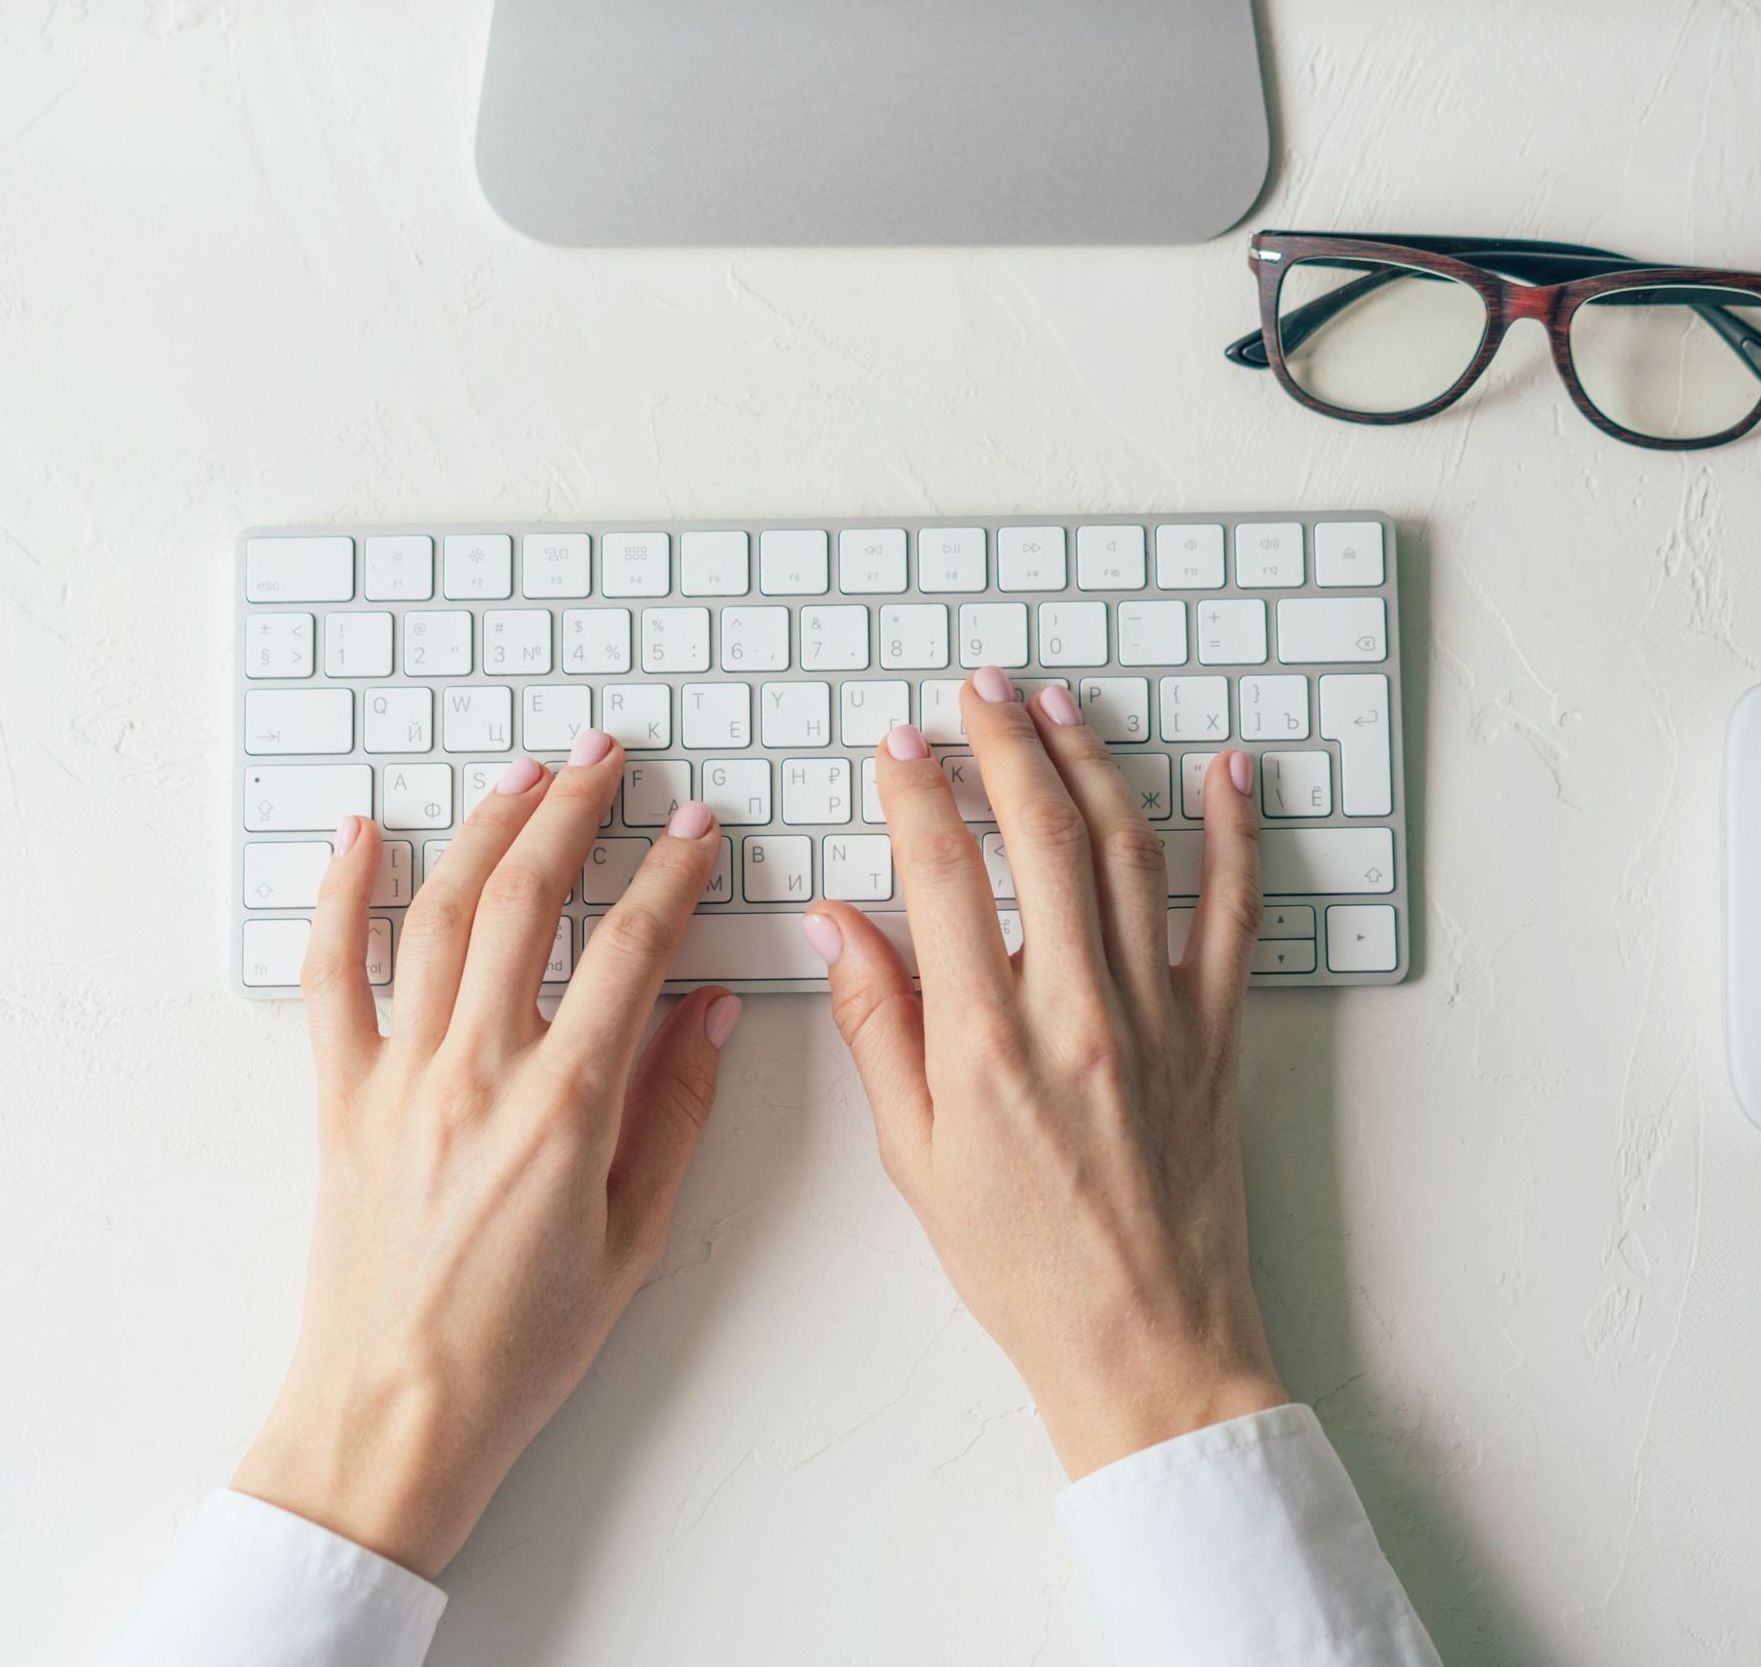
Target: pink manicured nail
{"type": "Point", "coordinates": [590, 746]}
{"type": "Point", "coordinates": [823, 938]}
{"type": "Point", "coordinates": [348, 830]}
{"type": "Point", "coordinates": [520, 775]}
{"type": "Point", "coordinates": [690, 821]}
{"type": "Point", "coordinates": [1060, 706]}
{"type": "Point", "coordinates": [1241, 772]}
{"type": "Point", "coordinates": [992, 684]}
{"type": "Point", "coordinates": [719, 1021]}
{"type": "Point", "coordinates": [906, 743]}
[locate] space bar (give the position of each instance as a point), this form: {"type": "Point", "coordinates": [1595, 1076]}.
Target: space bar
{"type": "Point", "coordinates": [722, 947]}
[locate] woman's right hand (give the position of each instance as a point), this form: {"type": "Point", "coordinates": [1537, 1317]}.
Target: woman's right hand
{"type": "Point", "coordinates": [1064, 1121]}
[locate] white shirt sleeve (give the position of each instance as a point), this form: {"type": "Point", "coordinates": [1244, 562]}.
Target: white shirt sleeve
{"type": "Point", "coordinates": [249, 1583]}
{"type": "Point", "coordinates": [1240, 1545]}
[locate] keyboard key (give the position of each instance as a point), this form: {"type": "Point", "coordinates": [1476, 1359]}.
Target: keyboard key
{"type": "Point", "coordinates": [653, 790]}
{"type": "Point", "coordinates": [938, 711]}
{"type": "Point", "coordinates": [399, 720]}
{"type": "Point", "coordinates": [914, 636]}
{"type": "Point", "coordinates": [1146, 773]}
{"type": "Point", "coordinates": [596, 641]}
{"type": "Point", "coordinates": [398, 568]}
{"type": "Point", "coordinates": [278, 645]}
{"type": "Point", "coordinates": [795, 714]}
{"type": "Point", "coordinates": [476, 782]}
{"type": "Point", "coordinates": [299, 721]}
{"type": "Point", "coordinates": [477, 567]}
{"type": "Point", "coordinates": [950, 558]}
{"type": "Point", "coordinates": [1361, 937]}
{"type": "Point", "coordinates": [675, 639]}
{"type": "Point", "coordinates": [1194, 767]}
{"type": "Point", "coordinates": [719, 887]}
{"type": "Point", "coordinates": [305, 798]}
{"type": "Point", "coordinates": [639, 716]}
{"type": "Point", "coordinates": [1195, 708]}
{"type": "Point", "coordinates": [1296, 862]}
{"type": "Point", "coordinates": [1111, 558]}
{"type": "Point", "coordinates": [1152, 633]}
{"type": "Point", "coordinates": [1296, 783]}
{"type": "Point", "coordinates": [284, 874]}
{"type": "Point", "coordinates": [970, 798]}
{"type": "Point", "coordinates": [996, 867]}
{"type": "Point", "coordinates": [1288, 920]}
{"type": "Point", "coordinates": [1073, 633]}
{"type": "Point", "coordinates": [1283, 955]}
{"type": "Point", "coordinates": [868, 710]}
{"type": "Point", "coordinates": [299, 569]}
{"type": "Point", "coordinates": [516, 642]}
{"type": "Point", "coordinates": [1031, 558]}
{"type": "Point", "coordinates": [715, 716]}
{"type": "Point", "coordinates": [1274, 708]}
{"type": "Point", "coordinates": [437, 644]}
{"type": "Point", "coordinates": [273, 951]}
{"type": "Point", "coordinates": [794, 563]}
{"type": "Point", "coordinates": [611, 866]}
{"type": "Point", "coordinates": [357, 645]}
{"type": "Point", "coordinates": [1348, 553]}
{"type": "Point", "coordinates": [816, 791]}
{"type": "Point", "coordinates": [417, 796]}
{"type": "Point", "coordinates": [872, 561]}
{"type": "Point", "coordinates": [552, 715]}
{"type": "Point", "coordinates": [1232, 633]}
{"type": "Point", "coordinates": [738, 790]}
{"type": "Point", "coordinates": [755, 639]}
{"type": "Point", "coordinates": [1189, 557]}
{"type": "Point", "coordinates": [871, 799]}
{"type": "Point", "coordinates": [834, 638]}
{"type": "Point", "coordinates": [559, 965]}
{"type": "Point", "coordinates": [1321, 630]}
{"type": "Point", "coordinates": [395, 884]}
{"type": "Point", "coordinates": [556, 566]}
{"type": "Point", "coordinates": [993, 634]}
{"type": "Point", "coordinates": [857, 868]}
{"type": "Point", "coordinates": [1354, 712]}
{"type": "Point", "coordinates": [1268, 555]}
{"type": "Point", "coordinates": [778, 868]}
{"type": "Point", "coordinates": [1117, 708]}
{"type": "Point", "coordinates": [476, 719]}
{"type": "Point", "coordinates": [635, 564]}
{"type": "Point", "coordinates": [714, 564]}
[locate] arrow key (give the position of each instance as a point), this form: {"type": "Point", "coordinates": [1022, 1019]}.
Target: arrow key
{"type": "Point", "coordinates": [1284, 955]}
{"type": "Point", "coordinates": [1361, 937]}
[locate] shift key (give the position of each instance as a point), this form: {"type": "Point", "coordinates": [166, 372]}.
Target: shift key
{"type": "Point", "coordinates": [306, 798]}
{"type": "Point", "coordinates": [1297, 862]}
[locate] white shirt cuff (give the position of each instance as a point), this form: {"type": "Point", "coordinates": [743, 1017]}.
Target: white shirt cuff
{"type": "Point", "coordinates": [249, 1582]}
{"type": "Point", "coordinates": [1240, 1545]}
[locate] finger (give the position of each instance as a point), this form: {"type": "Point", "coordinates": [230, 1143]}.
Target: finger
{"type": "Point", "coordinates": [961, 957]}
{"type": "Point", "coordinates": [878, 1013]}
{"type": "Point", "coordinates": [1227, 923]}
{"type": "Point", "coordinates": [515, 925]}
{"type": "Point", "coordinates": [667, 1107]}
{"type": "Point", "coordinates": [437, 928]}
{"type": "Point", "coordinates": [340, 1015]}
{"type": "Point", "coordinates": [1043, 832]}
{"type": "Point", "coordinates": [1130, 865]}
{"type": "Point", "coordinates": [624, 962]}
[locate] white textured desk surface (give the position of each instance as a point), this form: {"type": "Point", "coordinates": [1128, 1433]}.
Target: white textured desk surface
{"type": "Point", "coordinates": [1508, 1217]}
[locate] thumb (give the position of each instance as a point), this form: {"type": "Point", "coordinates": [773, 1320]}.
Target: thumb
{"type": "Point", "coordinates": [668, 1104]}
{"type": "Point", "coordinates": [880, 1016]}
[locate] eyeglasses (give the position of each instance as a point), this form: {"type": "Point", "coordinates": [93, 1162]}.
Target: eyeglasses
{"type": "Point", "coordinates": [1392, 329]}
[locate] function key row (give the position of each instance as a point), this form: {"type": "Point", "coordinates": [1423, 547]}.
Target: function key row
{"type": "Point", "coordinates": [559, 566]}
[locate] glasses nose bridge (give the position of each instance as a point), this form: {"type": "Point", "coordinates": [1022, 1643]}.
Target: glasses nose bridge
{"type": "Point", "coordinates": [1541, 302]}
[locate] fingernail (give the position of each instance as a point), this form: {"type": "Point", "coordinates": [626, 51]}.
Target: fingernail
{"type": "Point", "coordinates": [590, 746]}
{"type": "Point", "coordinates": [719, 1021]}
{"type": "Point", "coordinates": [993, 684]}
{"type": "Point", "coordinates": [690, 821]}
{"type": "Point", "coordinates": [823, 938]}
{"type": "Point", "coordinates": [1060, 706]}
{"type": "Point", "coordinates": [906, 743]}
{"type": "Point", "coordinates": [348, 830]}
{"type": "Point", "coordinates": [1241, 772]}
{"type": "Point", "coordinates": [521, 774]}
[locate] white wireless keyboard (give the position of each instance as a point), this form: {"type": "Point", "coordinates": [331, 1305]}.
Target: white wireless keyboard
{"type": "Point", "coordinates": [395, 674]}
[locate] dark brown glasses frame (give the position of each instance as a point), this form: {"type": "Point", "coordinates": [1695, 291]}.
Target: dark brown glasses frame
{"type": "Point", "coordinates": [1516, 279]}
